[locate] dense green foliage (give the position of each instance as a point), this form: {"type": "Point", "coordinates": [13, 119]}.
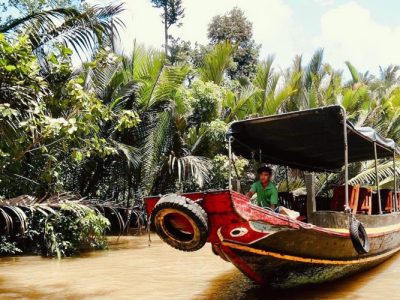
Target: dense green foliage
{"type": "Point", "coordinates": [84, 31]}
{"type": "Point", "coordinates": [60, 232]}
{"type": "Point", "coordinates": [48, 123]}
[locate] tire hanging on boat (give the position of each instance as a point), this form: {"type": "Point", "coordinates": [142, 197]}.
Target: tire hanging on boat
{"type": "Point", "coordinates": [358, 236]}
{"type": "Point", "coordinates": [180, 222]}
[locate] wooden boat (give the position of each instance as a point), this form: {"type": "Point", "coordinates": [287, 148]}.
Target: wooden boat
{"type": "Point", "coordinates": [343, 238]}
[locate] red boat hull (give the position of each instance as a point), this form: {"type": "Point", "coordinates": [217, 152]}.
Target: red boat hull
{"type": "Point", "coordinates": [276, 250]}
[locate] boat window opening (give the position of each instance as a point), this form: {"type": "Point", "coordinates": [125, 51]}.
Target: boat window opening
{"type": "Point", "coordinates": [329, 197]}
{"type": "Point", "coordinates": [363, 199]}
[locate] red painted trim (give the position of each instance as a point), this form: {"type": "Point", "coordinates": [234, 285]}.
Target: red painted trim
{"type": "Point", "coordinates": [241, 265]}
{"type": "Point", "coordinates": [217, 250]}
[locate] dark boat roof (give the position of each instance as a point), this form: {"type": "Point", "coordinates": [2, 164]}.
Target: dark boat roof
{"type": "Point", "coordinates": [309, 140]}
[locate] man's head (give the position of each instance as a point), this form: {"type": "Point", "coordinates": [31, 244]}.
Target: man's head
{"type": "Point", "coordinates": [264, 174]}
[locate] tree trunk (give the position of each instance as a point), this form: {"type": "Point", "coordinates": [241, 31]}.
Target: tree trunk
{"type": "Point", "coordinates": [166, 30]}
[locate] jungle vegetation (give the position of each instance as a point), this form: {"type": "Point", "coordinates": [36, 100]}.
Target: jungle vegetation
{"type": "Point", "coordinates": [78, 116]}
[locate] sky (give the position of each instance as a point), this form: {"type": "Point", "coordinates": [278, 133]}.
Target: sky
{"type": "Point", "coordinates": [364, 32]}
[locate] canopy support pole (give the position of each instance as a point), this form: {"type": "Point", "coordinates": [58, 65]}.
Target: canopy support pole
{"type": "Point", "coordinates": [326, 184]}
{"type": "Point", "coordinates": [395, 182]}
{"type": "Point", "coordinates": [287, 179]}
{"type": "Point", "coordinates": [346, 163]}
{"type": "Point", "coordinates": [309, 179]}
{"type": "Point", "coordinates": [230, 139]}
{"type": "Point", "coordinates": [377, 179]}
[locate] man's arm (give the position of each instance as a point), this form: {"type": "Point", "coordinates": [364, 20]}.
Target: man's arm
{"type": "Point", "coordinates": [274, 198]}
{"type": "Point", "coordinates": [250, 193]}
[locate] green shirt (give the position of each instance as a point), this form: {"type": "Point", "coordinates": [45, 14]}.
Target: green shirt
{"type": "Point", "coordinates": [265, 196]}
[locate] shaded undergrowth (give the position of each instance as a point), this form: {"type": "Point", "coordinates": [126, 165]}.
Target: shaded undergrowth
{"type": "Point", "coordinates": [62, 225]}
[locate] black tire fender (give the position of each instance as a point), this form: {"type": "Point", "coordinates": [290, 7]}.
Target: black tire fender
{"type": "Point", "coordinates": [187, 209]}
{"type": "Point", "coordinates": [358, 236]}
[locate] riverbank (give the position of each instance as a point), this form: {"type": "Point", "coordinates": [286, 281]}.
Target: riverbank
{"type": "Point", "coordinates": [130, 269]}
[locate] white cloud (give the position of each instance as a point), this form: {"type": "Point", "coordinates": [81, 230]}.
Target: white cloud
{"type": "Point", "coordinates": [349, 32]}
{"type": "Point", "coordinates": [275, 29]}
{"type": "Point", "coordinates": [143, 24]}
{"type": "Point", "coordinates": [324, 2]}
{"type": "Point", "coordinates": [273, 24]}
{"type": "Point", "coordinates": [346, 32]}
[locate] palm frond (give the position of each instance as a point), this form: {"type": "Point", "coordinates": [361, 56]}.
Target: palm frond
{"type": "Point", "coordinates": [275, 102]}
{"type": "Point", "coordinates": [153, 149]}
{"type": "Point", "coordinates": [82, 31]}
{"type": "Point", "coordinates": [130, 153]}
{"type": "Point", "coordinates": [196, 167]}
{"type": "Point", "coordinates": [239, 105]}
{"type": "Point", "coordinates": [39, 20]}
{"type": "Point", "coordinates": [368, 177]}
{"type": "Point", "coordinates": [216, 63]}
{"type": "Point", "coordinates": [264, 74]}
{"type": "Point", "coordinates": [168, 83]}
{"type": "Point", "coordinates": [313, 67]}
{"type": "Point", "coordinates": [353, 72]}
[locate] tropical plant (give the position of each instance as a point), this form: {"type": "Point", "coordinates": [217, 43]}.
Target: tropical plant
{"type": "Point", "coordinates": [26, 7]}
{"type": "Point", "coordinates": [60, 230]}
{"type": "Point", "coordinates": [84, 31]}
{"type": "Point", "coordinates": [43, 130]}
{"type": "Point", "coordinates": [215, 63]}
{"type": "Point", "coordinates": [152, 156]}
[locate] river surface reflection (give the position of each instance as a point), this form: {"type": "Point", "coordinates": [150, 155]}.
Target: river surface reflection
{"type": "Point", "coordinates": [131, 269]}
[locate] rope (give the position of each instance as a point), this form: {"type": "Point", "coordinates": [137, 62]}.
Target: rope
{"type": "Point", "coordinates": [148, 230]}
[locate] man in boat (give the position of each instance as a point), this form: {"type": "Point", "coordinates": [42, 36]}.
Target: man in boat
{"type": "Point", "coordinates": [267, 193]}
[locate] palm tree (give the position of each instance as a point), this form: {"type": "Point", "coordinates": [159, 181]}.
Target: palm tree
{"type": "Point", "coordinates": [315, 84]}
{"type": "Point", "coordinates": [84, 31]}
{"type": "Point", "coordinates": [267, 94]}
{"type": "Point", "coordinates": [153, 155]}
{"type": "Point", "coordinates": [273, 93]}
{"type": "Point", "coordinates": [216, 63]}
{"type": "Point", "coordinates": [375, 102]}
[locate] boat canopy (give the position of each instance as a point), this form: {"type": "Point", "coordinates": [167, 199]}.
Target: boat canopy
{"type": "Point", "coordinates": [310, 140]}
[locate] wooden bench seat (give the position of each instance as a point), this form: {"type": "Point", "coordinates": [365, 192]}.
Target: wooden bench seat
{"type": "Point", "coordinates": [339, 198]}
{"type": "Point", "coordinates": [386, 201]}
{"type": "Point", "coordinates": [364, 201]}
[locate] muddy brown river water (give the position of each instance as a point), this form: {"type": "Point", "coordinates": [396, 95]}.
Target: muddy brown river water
{"type": "Point", "coordinates": [131, 269]}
